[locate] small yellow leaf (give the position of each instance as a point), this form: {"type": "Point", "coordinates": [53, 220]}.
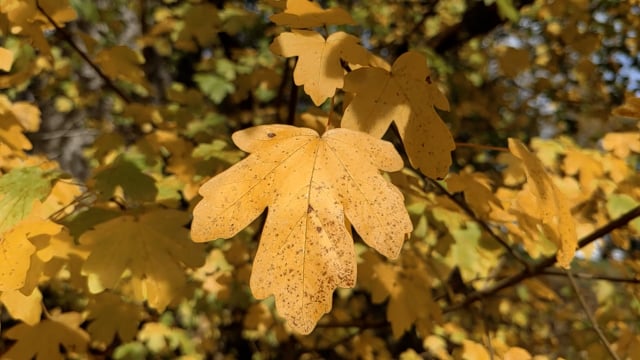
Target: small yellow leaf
{"type": "Point", "coordinates": [6, 59]}
{"type": "Point", "coordinates": [311, 185]}
{"type": "Point", "coordinates": [622, 143]}
{"type": "Point", "coordinates": [318, 67]}
{"type": "Point", "coordinates": [406, 96]}
{"type": "Point", "coordinates": [26, 308]}
{"type": "Point", "coordinates": [308, 14]}
{"type": "Point", "coordinates": [471, 350]}
{"type": "Point", "coordinates": [541, 200]}
{"type": "Point", "coordinates": [517, 353]}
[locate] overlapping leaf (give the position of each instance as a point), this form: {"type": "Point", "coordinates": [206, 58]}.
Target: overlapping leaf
{"type": "Point", "coordinates": [45, 339]}
{"type": "Point", "coordinates": [153, 246]}
{"type": "Point", "coordinates": [312, 186]}
{"type": "Point", "coordinates": [542, 208]}
{"type": "Point", "coordinates": [405, 95]}
{"type": "Point", "coordinates": [318, 67]}
{"type": "Point", "coordinates": [308, 14]}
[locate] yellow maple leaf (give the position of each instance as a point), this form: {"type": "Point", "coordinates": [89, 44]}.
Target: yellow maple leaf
{"type": "Point", "coordinates": [543, 208]}
{"type": "Point", "coordinates": [121, 63]}
{"type": "Point", "coordinates": [44, 340]}
{"type": "Point", "coordinates": [318, 67]}
{"type": "Point", "coordinates": [6, 59]}
{"type": "Point", "coordinates": [26, 308]}
{"type": "Point", "coordinates": [16, 250]}
{"type": "Point", "coordinates": [110, 316]}
{"type": "Point", "coordinates": [308, 14]}
{"type": "Point", "coordinates": [621, 144]}
{"type": "Point", "coordinates": [153, 246]}
{"type": "Point", "coordinates": [311, 185]}
{"type": "Point", "coordinates": [407, 286]}
{"type": "Point", "coordinates": [406, 96]}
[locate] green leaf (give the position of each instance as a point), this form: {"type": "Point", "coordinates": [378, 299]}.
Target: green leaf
{"type": "Point", "coordinates": [618, 204]}
{"type": "Point", "coordinates": [19, 188]}
{"type": "Point", "coordinates": [216, 87]}
{"type": "Point", "coordinates": [506, 10]}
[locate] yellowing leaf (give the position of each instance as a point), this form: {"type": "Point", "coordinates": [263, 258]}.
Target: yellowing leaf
{"type": "Point", "coordinates": [19, 188]}
{"type": "Point", "coordinates": [540, 199]}
{"type": "Point", "coordinates": [308, 14]}
{"type": "Point", "coordinates": [45, 339]}
{"type": "Point", "coordinates": [122, 63]}
{"type": "Point", "coordinates": [471, 350]}
{"type": "Point", "coordinates": [6, 59]}
{"type": "Point", "coordinates": [26, 308]}
{"type": "Point", "coordinates": [622, 144]}
{"type": "Point", "coordinates": [630, 107]}
{"type": "Point", "coordinates": [153, 246]}
{"type": "Point", "coordinates": [16, 118]}
{"type": "Point", "coordinates": [112, 316]}
{"type": "Point", "coordinates": [318, 67]}
{"type": "Point", "coordinates": [15, 257]}
{"type": "Point", "coordinates": [136, 185]}
{"type": "Point", "coordinates": [406, 96]}
{"type": "Point", "coordinates": [407, 287]}
{"type": "Point", "coordinates": [312, 185]}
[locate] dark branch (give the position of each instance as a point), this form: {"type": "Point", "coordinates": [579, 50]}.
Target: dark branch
{"type": "Point", "coordinates": [541, 266]}
{"type": "Point", "coordinates": [479, 19]}
{"type": "Point", "coordinates": [67, 38]}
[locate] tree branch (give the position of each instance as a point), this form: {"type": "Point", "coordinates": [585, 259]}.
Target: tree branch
{"type": "Point", "coordinates": [541, 266]}
{"type": "Point", "coordinates": [67, 38]}
{"type": "Point", "coordinates": [462, 205]}
{"type": "Point", "coordinates": [590, 316]}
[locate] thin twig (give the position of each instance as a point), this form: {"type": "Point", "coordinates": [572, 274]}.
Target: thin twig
{"type": "Point", "coordinates": [481, 147]}
{"type": "Point", "coordinates": [67, 37]}
{"type": "Point", "coordinates": [590, 316]}
{"type": "Point", "coordinates": [462, 205]}
{"type": "Point", "coordinates": [549, 261]}
{"type": "Point", "coordinates": [585, 276]}
{"type": "Point", "coordinates": [293, 98]}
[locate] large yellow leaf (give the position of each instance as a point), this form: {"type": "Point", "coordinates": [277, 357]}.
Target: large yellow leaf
{"type": "Point", "coordinates": [16, 250]}
{"type": "Point", "coordinates": [153, 246]}
{"type": "Point", "coordinates": [406, 96]}
{"type": "Point", "coordinates": [542, 208]}
{"type": "Point", "coordinates": [311, 185]}
{"type": "Point", "coordinates": [318, 67]}
{"type": "Point", "coordinates": [308, 14]}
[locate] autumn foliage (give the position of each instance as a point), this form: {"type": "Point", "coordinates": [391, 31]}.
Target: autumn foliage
{"type": "Point", "coordinates": [290, 179]}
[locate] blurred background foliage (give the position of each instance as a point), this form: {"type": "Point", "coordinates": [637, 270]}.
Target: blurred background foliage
{"type": "Point", "coordinates": [138, 100]}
